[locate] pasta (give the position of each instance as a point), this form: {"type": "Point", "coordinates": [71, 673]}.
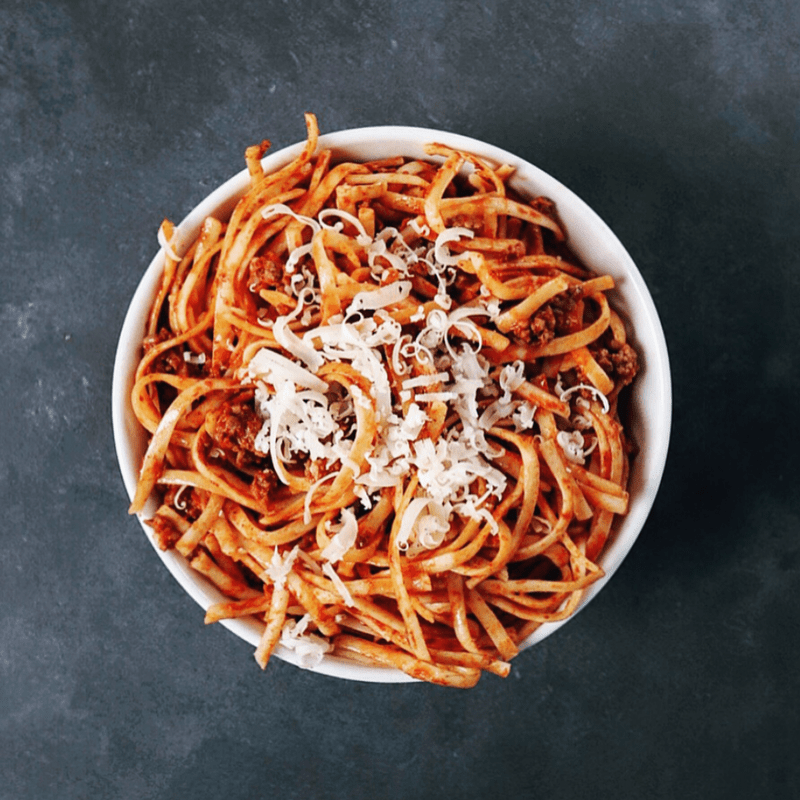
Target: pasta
{"type": "Point", "coordinates": [382, 402]}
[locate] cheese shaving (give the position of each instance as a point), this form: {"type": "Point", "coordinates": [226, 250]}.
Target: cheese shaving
{"type": "Point", "coordinates": [380, 298]}
{"type": "Point", "coordinates": [441, 250]}
{"type": "Point", "coordinates": [272, 367]}
{"type": "Point", "coordinates": [523, 416]}
{"type": "Point", "coordinates": [363, 237]}
{"type": "Point", "coordinates": [435, 397]}
{"type": "Point", "coordinates": [344, 539]}
{"type": "Point", "coordinates": [574, 446]}
{"type": "Point", "coordinates": [277, 571]}
{"type": "Point", "coordinates": [309, 647]}
{"type": "Point", "coordinates": [425, 380]}
{"type": "Point", "coordinates": [419, 227]}
{"type": "Point", "coordinates": [344, 593]}
{"type": "Point", "coordinates": [296, 255]}
{"type": "Point", "coordinates": [296, 346]}
{"type": "Point", "coordinates": [564, 394]}
{"type": "Point", "coordinates": [424, 526]}
{"type": "Point", "coordinates": [276, 209]}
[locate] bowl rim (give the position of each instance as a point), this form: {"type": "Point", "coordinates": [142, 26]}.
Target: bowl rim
{"type": "Point", "coordinates": [407, 139]}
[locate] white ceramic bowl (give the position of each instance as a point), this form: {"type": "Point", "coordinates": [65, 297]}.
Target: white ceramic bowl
{"type": "Point", "coordinates": [590, 239]}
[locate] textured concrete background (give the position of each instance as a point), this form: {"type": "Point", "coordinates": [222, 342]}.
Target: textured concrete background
{"type": "Point", "coordinates": [679, 121]}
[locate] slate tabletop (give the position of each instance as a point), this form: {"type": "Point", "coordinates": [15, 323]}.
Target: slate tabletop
{"type": "Point", "coordinates": [679, 122]}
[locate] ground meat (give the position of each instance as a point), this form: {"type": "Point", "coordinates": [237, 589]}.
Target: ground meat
{"type": "Point", "coordinates": [544, 206]}
{"type": "Point", "coordinates": [188, 502]}
{"type": "Point", "coordinates": [626, 363]}
{"type": "Point", "coordinates": [563, 305]}
{"type": "Point", "coordinates": [234, 428]}
{"type": "Point", "coordinates": [602, 355]}
{"type": "Point", "coordinates": [620, 362]}
{"type": "Point", "coordinates": [542, 326]}
{"type": "Point", "coordinates": [551, 320]}
{"type": "Point", "coordinates": [263, 486]}
{"type": "Point", "coordinates": [170, 361]}
{"type": "Point", "coordinates": [266, 272]}
{"type": "Point", "coordinates": [164, 532]}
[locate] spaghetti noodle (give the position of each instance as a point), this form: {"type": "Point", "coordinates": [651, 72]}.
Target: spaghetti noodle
{"type": "Point", "coordinates": [382, 401]}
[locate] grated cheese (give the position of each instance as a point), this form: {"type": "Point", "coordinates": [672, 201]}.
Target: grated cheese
{"type": "Point", "coordinates": [523, 416]}
{"type": "Point", "coordinates": [344, 538]}
{"type": "Point", "coordinates": [309, 647]}
{"type": "Point", "coordinates": [380, 298]}
{"type": "Point", "coordinates": [425, 380]}
{"type": "Point", "coordinates": [442, 252]}
{"type": "Point", "coordinates": [419, 227]}
{"type": "Point", "coordinates": [574, 446]}
{"type": "Point", "coordinates": [274, 368]}
{"type": "Point", "coordinates": [436, 397]}
{"type": "Point", "coordinates": [294, 345]}
{"type": "Point", "coordinates": [277, 571]}
{"type": "Point", "coordinates": [178, 500]}
{"type": "Point", "coordinates": [327, 569]}
{"type": "Point", "coordinates": [363, 237]}
{"type": "Point", "coordinates": [276, 209]}
{"type": "Point", "coordinates": [564, 394]}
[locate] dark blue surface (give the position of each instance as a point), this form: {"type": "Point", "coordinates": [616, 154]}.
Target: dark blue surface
{"type": "Point", "coordinates": [679, 122]}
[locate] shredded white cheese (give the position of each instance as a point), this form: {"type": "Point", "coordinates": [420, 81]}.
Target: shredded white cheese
{"type": "Point", "coordinates": [191, 358]}
{"type": "Point", "coordinates": [272, 367]}
{"type": "Point", "coordinates": [574, 446]}
{"type": "Point", "coordinates": [296, 346]}
{"type": "Point", "coordinates": [343, 539]}
{"type": "Point", "coordinates": [276, 209]}
{"type": "Point", "coordinates": [425, 380]}
{"type": "Point", "coordinates": [309, 647]}
{"type": "Point", "coordinates": [441, 250]}
{"type": "Point", "coordinates": [277, 571]}
{"type": "Point", "coordinates": [564, 394]}
{"type": "Point", "coordinates": [380, 298]}
{"type": "Point", "coordinates": [344, 593]}
{"type": "Point", "coordinates": [419, 227]}
{"type": "Point", "coordinates": [363, 237]}
{"type": "Point", "coordinates": [523, 416]}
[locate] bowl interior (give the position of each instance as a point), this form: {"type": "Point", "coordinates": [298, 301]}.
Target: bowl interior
{"type": "Point", "coordinates": [590, 239]}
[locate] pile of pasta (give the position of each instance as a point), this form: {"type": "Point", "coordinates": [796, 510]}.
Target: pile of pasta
{"type": "Point", "coordinates": [382, 401]}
